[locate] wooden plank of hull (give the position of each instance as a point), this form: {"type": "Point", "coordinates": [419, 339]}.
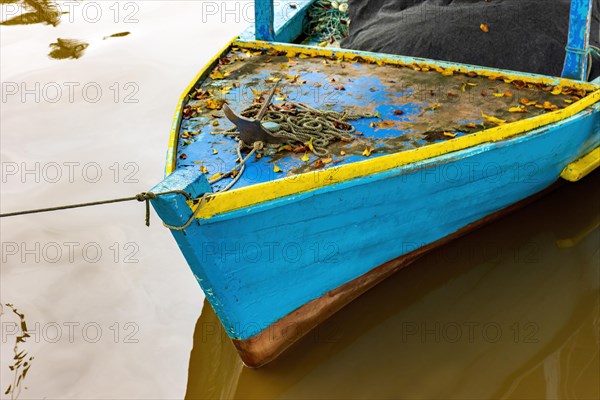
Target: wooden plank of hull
{"type": "Point", "coordinates": [271, 342]}
{"type": "Point", "coordinates": [368, 221]}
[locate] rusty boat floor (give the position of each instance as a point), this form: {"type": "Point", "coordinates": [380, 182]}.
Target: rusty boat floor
{"type": "Point", "coordinates": [415, 105]}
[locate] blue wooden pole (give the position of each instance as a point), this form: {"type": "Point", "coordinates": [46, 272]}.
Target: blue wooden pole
{"type": "Point", "coordinates": [576, 60]}
{"type": "Point", "coordinates": [264, 15]}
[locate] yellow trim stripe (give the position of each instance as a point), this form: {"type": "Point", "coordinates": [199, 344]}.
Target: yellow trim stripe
{"type": "Point", "coordinates": [580, 168]}
{"type": "Point", "coordinates": [174, 134]}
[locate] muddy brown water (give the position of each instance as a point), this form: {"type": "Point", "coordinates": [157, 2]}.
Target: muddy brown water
{"type": "Point", "coordinates": [112, 310]}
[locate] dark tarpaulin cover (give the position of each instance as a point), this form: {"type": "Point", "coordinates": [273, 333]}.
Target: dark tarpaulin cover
{"type": "Point", "coordinates": [524, 35]}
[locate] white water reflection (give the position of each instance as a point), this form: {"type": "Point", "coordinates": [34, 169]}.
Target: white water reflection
{"type": "Point", "coordinates": [115, 324]}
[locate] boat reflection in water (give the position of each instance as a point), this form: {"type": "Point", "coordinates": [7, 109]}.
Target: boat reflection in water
{"type": "Point", "coordinates": [508, 311]}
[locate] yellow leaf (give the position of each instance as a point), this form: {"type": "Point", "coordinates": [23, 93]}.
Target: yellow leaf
{"type": "Point", "coordinates": [303, 56]}
{"type": "Point", "coordinates": [436, 105]}
{"type": "Point", "coordinates": [322, 44]}
{"type": "Point", "coordinates": [518, 109]}
{"type": "Point", "coordinates": [493, 120]}
{"type": "Point", "coordinates": [284, 148]}
{"type": "Point", "coordinates": [217, 75]}
{"type": "Point", "coordinates": [342, 153]}
{"type": "Point", "coordinates": [498, 94]}
{"type": "Point", "coordinates": [290, 53]}
{"type": "Point", "coordinates": [327, 160]}
{"type": "Point", "coordinates": [556, 91]}
{"type": "Point", "coordinates": [484, 28]}
{"type": "Point", "coordinates": [310, 145]}
{"type": "Point", "coordinates": [215, 176]}
{"type": "Point", "coordinates": [282, 98]}
{"type": "Point", "coordinates": [215, 151]}
{"type": "Point", "coordinates": [367, 152]}
{"type": "Point", "coordinates": [450, 134]}
{"type": "Point", "coordinates": [203, 169]}
{"type": "Point", "coordinates": [226, 89]}
{"type": "Point", "coordinates": [448, 72]}
{"type": "Point", "coordinates": [305, 157]}
{"type": "Point", "coordinates": [471, 84]}
{"type": "Point", "coordinates": [215, 122]}
{"type": "Point", "coordinates": [276, 168]}
{"type": "Point", "coordinates": [214, 104]}
{"type": "Point", "coordinates": [292, 78]}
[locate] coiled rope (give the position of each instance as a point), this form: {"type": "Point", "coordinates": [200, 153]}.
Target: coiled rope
{"type": "Point", "coordinates": [302, 124]}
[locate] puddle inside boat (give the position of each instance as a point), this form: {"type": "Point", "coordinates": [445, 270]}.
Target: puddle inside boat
{"type": "Point", "coordinates": [111, 307]}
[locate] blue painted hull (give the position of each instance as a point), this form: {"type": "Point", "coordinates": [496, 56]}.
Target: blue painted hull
{"type": "Point", "coordinates": [258, 264]}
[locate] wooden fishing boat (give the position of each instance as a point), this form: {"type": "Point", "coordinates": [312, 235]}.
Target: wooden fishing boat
{"type": "Point", "coordinates": [280, 235]}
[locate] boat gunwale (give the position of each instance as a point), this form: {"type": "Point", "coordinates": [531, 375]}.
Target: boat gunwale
{"type": "Point", "coordinates": [239, 198]}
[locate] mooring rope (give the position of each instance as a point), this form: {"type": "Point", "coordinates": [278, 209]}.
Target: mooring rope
{"type": "Point", "coordinates": [144, 196]}
{"type": "Point", "coordinates": [147, 196]}
{"type": "Point", "coordinates": [300, 123]}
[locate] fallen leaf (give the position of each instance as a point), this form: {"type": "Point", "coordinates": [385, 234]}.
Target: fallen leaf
{"type": "Point", "coordinates": [310, 145]}
{"type": "Point", "coordinates": [492, 119]}
{"type": "Point", "coordinates": [435, 106]}
{"type": "Point", "coordinates": [342, 153]}
{"type": "Point", "coordinates": [484, 28]}
{"type": "Point", "coordinates": [292, 78]}
{"type": "Point", "coordinates": [507, 94]}
{"type": "Point", "coordinates": [398, 112]}
{"type": "Point", "coordinates": [471, 125]}
{"type": "Point", "coordinates": [517, 109]}
{"type": "Point", "coordinates": [286, 147]}
{"type": "Point", "coordinates": [183, 156]}
{"type": "Point", "coordinates": [215, 151]}
{"type": "Point", "coordinates": [527, 102]}
{"type": "Point", "coordinates": [276, 168]}
{"type": "Point", "coordinates": [327, 160]}
{"type": "Point", "coordinates": [217, 75]}
{"type": "Point", "coordinates": [214, 104]}
{"type": "Point", "coordinates": [203, 169]}
{"type": "Point", "coordinates": [305, 157]}
{"type": "Point", "coordinates": [367, 152]}
{"type": "Point", "coordinates": [556, 91]}
{"type": "Point", "coordinates": [301, 149]}
{"type": "Point", "coordinates": [450, 134]}
{"type": "Point", "coordinates": [498, 94]}
{"type": "Point", "coordinates": [549, 106]}
{"type": "Point", "coordinates": [215, 176]}
{"type": "Point", "coordinates": [215, 123]}
{"type": "Point", "coordinates": [319, 164]}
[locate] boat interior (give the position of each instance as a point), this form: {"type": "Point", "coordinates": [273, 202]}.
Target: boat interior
{"type": "Point", "coordinates": [381, 104]}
